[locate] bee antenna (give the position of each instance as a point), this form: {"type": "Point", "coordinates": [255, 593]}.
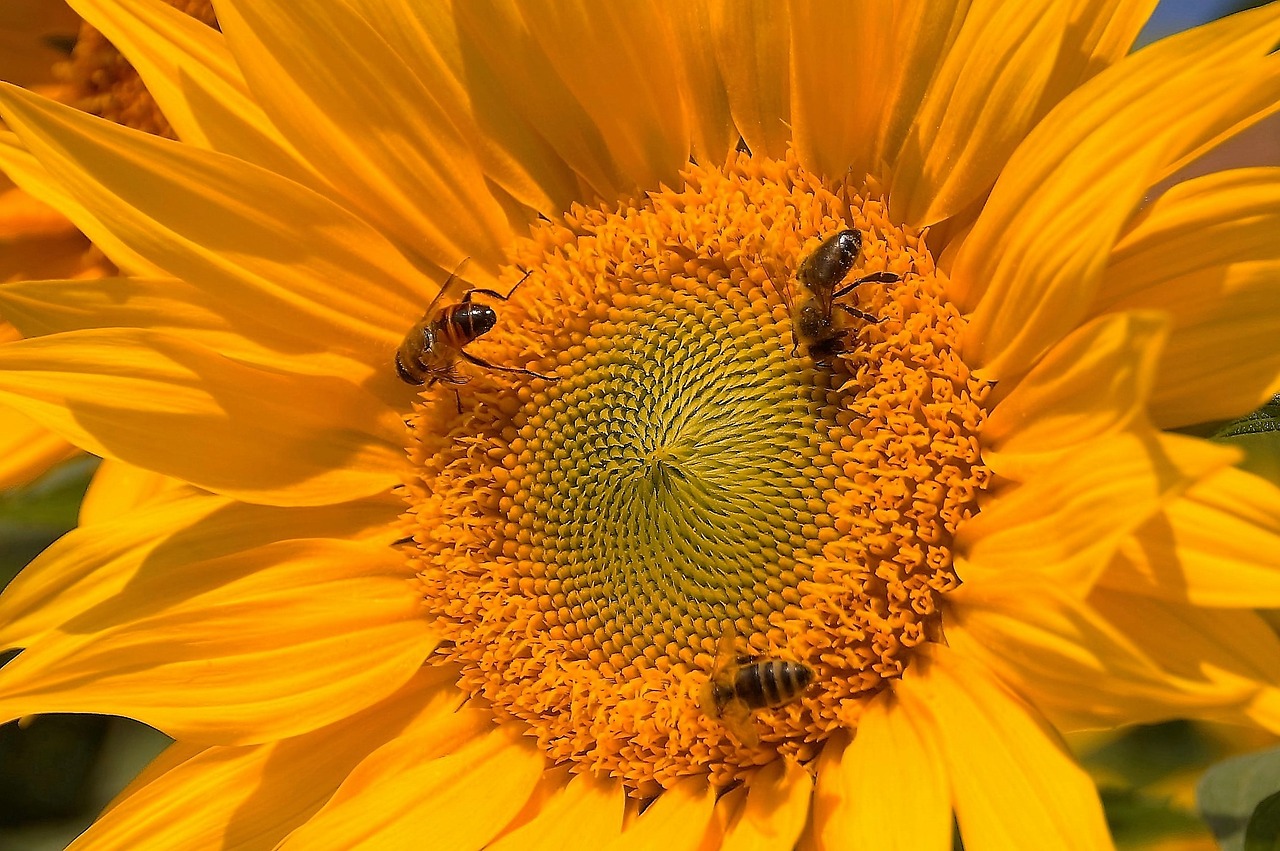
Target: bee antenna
{"type": "Point", "coordinates": [769, 276]}
{"type": "Point", "coordinates": [523, 278]}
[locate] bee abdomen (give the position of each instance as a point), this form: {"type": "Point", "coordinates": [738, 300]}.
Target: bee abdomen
{"type": "Point", "coordinates": [771, 683]}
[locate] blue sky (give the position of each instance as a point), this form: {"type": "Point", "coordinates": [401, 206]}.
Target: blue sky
{"type": "Point", "coordinates": [1174, 15]}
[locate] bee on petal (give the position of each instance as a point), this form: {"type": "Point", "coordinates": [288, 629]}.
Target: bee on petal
{"type": "Point", "coordinates": [434, 345]}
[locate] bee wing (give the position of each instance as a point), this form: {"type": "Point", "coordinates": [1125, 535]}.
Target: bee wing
{"type": "Point", "coordinates": [825, 296]}
{"type": "Point", "coordinates": [725, 654]}
{"type": "Point", "coordinates": [772, 246]}
{"type": "Point", "coordinates": [773, 273]}
{"type": "Point", "coordinates": [451, 286]}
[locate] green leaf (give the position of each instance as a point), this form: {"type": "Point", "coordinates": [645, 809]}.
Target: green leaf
{"type": "Point", "coordinates": [1138, 820]}
{"type": "Point", "coordinates": [1265, 420]}
{"type": "Point", "coordinates": [1258, 434]}
{"type": "Point", "coordinates": [1230, 791]}
{"type": "Point", "coordinates": [1263, 832]}
{"type": "Point", "coordinates": [51, 500]}
{"type": "Point", "coordinates": [34, 516]}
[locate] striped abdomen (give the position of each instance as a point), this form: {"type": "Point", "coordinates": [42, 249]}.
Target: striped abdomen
{"type": "Point", "coordinates": [460, 324]}
{"type": "Point", "coordinates": [431, 347]}
{"type": "Point", "coordinates": [770, 682]}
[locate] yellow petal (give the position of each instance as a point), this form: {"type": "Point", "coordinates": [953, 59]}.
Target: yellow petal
{"type": "Point", "coordinates": [775, 810]}
{"type": "Point", "coordinates": [23, 169]}
{"type": "Point", "coordinates": [621, 62]}
{"type": "Point", "coordinates": [297, 635]}
{"type": "Point", "coordinates": [1068, 521]}
{"type": "Point", "coordinates": [25, 218]}
{"type": "Point", "coordinates": [752, 46]}
{"type": "Point", "coordinates": [117, 489]}
{"type": "Point", "coordinates": [1222, 362]}
{"type": "Point", "coordinates": [1217, 546]}
{"type": "Point", "coordinates": [1206, 222]}
{"type": "Point", "coordinates": [199, 315]}
{"type": "Point", "coordinates": [1012, 780]}
{"type": "Point", "coordinates": [496, 34]}
{"type": "Point", "coordinates": [1095, 382]}
{"type": "Point", "coordinates": [186, 66]}
{"type": "Point", "coordinates": [93, 569]}
{"type": "Point", "coordinates": [147, 399]}
{"type": "Point", "coordinates": [923, 35]}
{"type": "Point", "coordinates": [1033, 260]}
{"type": "Point", "coordinates": [712, 135]}
{"type": "Point", "coordinates": [584, 813]}
{"type": "Point", "coordinates": [431, 39]}
{"type": "Point", "coordinates": [1097, 33]}
{"type": "Point", "coordinates": [252, 796]}
{"type": "Point", "coordinates": [1206, 253]}
{"type": "Point", "coordinates": [1100, 33]}
{"type": "Point", "coordinates": [1218, 139]}
{"type": "Point", "coordinates": [86, 568]}
{"type": "Point", "coordinates": [40, 242]}
{"type": "Point", "coordinates": [1228, 650]}
{"type": "Point", "coordinates": [840, 58]}
{"type": "Point", "coordinates": [201, 217]}
{"type": "Point", "coordinates": [27, 449]}
{"type": "Point", "coordinates": [984, 97]}
{"type": "Point", "coordinates": [677, 821]}
{"type": "Point", "coordinates": [1075, 666]}
{"type": "Point", "coordinates": [401, 797]}
{"type": "Point", "coordinates": [888, 789]}
{"type": "Point", "coordinates": [364, 119]}
{"type": "Point", "coordinates": [168, 759]}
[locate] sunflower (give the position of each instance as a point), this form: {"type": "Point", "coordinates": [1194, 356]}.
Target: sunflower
{"type": "Point", "coordinates": [30, 232]}
{"type": "Point", "coordinates": [45, 47]}
{"type": "Point", "coordinates": [787, 455]}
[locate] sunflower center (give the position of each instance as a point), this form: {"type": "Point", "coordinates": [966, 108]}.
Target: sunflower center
{"type": "Point", "coordinates": [101, 82]}
{"type": "Point", "coordinates": [617, 556]}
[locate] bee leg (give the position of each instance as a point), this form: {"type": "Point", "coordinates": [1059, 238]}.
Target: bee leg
{"type": "Point", "coordinates": [466, 297]}
{"type": "Point", "coordinates": [862, 314]}
{"type": "Point", "coordinates": [874, 278]}
{"type": "Point", "coordinates": [512, 369]}
{"type": "Point", "coordinates": [454, 379]}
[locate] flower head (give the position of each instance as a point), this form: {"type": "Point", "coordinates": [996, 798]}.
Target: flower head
{"type": "Point", "coordinates": [794, 427]}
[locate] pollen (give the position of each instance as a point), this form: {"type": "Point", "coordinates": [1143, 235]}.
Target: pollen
{"type": "Point", "coordinates": [100, 81]}
{"type": "Point", "coordinates": [583, 544]}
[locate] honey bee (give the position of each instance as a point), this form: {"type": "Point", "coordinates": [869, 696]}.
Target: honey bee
{"type": "Point", "coordinates": [431, 349]}
{"type": "Point", "coordinates": [738, 686]}
{"type": "Point", "coordinates": [818, 279]}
